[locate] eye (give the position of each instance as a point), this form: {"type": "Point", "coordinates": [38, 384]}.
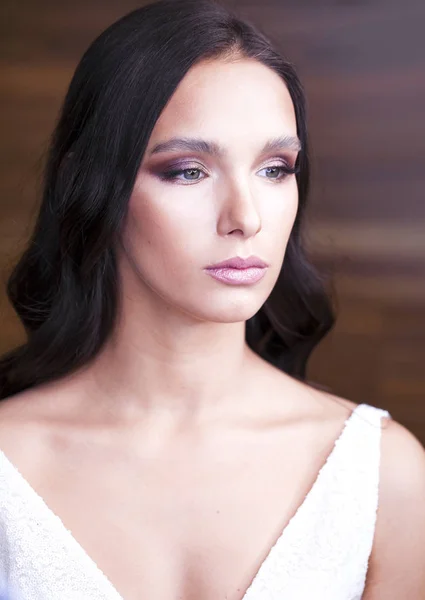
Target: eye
{"type": "Point", "coordinates": [191, 172]}
{"type": "Point", "coordinates": [279, 172]}
{"type": "Point", "coordinates": [276, 173]}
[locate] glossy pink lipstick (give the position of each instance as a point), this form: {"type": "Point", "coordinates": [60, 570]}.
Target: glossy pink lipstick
{"type": "Point", "coordinates": [239, 271]}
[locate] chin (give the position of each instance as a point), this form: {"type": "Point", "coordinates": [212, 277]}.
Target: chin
{"type": "Point", "coordinates": [233, 312]}
{"type": "Point", "coordinates": [233, 318]}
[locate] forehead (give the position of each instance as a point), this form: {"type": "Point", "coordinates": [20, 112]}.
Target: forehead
{"type": "Point", "coordinates": [240, 100]}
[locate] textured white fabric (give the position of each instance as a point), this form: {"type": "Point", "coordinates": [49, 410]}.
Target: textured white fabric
{"type": "Point", "coordinates": [322, 553]}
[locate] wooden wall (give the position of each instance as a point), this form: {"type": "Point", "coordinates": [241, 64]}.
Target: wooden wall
{"type": "Point", "coordinates": [363, 66]}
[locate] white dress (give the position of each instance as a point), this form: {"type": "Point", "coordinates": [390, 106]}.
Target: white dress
{"type": "Point", "coordinates": [322, 554]}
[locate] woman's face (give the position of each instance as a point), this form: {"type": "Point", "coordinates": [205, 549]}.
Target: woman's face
{"type": "Point", "coordinates": [229, 197]}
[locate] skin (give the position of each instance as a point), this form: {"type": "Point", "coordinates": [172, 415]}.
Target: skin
{"type": "Point", "coordinates": [177, 430]}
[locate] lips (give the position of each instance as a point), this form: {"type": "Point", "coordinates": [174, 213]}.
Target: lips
{"type": "Point", "coordinates": [238, 271]}
{"type": "Point", "coordinates": [240, 263]}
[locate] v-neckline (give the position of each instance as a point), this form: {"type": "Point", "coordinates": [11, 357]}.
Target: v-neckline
{"type": "Point", "coordinates": [103, 580]}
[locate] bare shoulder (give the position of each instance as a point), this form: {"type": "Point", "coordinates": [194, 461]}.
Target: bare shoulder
{"type": "Point", "coordinates": [397, 563]}
{"type": "Point", "coordinates": [25, 421]}
{"type": "Point", "coordinates": [305, 400]}
{"type": "Point", "coordinates": [19, 428]}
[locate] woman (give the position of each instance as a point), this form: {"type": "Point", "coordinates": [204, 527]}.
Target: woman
{"type": "Point", "coordinates": [158, 437]}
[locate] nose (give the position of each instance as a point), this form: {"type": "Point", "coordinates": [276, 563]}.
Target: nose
{"type": "Point", "coordinates": [238, 213]}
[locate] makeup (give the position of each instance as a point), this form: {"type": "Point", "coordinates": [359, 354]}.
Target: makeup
{"type": "Point", "coordinates": [239, 271]}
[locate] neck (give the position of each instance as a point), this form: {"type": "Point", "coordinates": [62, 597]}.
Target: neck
{"type": "Point", "coordinates": [160, 360]}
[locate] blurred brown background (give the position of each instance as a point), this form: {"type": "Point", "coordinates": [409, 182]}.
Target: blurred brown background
{"type": "Point", "coordinates": [363, 66]}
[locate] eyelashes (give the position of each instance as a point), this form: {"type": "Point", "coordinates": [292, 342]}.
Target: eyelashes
{"type": "Point", "coordinates": [172, 175]}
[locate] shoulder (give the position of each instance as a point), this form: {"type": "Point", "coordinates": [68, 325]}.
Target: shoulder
{"type": "Point", "coordinates": [19, 430]}
{"type": "Point", "coordinates": [26, 422]}
{"type": "Point", "coordinates": [397, 563]}
{"type": "Point", "coordinates": [297, 399]}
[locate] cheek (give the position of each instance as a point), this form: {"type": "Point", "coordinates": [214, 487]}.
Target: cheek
{"type": "Point", "coordinates": [162, 236]}
{"type": "Point", "coordinates": [279, 214]}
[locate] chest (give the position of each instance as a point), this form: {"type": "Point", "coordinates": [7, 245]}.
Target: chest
{"type": "Point", "coordinates": [310, 556]}
{"type": "Point", "coordinates": [183, 527]}
{"type": "Point", "coordinates": [198, 530]}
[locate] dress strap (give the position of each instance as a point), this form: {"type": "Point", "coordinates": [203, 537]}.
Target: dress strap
{"type": "Point", "coordinates": [324, 550]}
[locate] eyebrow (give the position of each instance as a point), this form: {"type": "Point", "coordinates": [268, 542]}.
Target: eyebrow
{"type": "Point", "coordinates": [285, 142]}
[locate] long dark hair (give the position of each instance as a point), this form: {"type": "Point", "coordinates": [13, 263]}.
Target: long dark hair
{"type": "Point", "coordinates": [65, 286]}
